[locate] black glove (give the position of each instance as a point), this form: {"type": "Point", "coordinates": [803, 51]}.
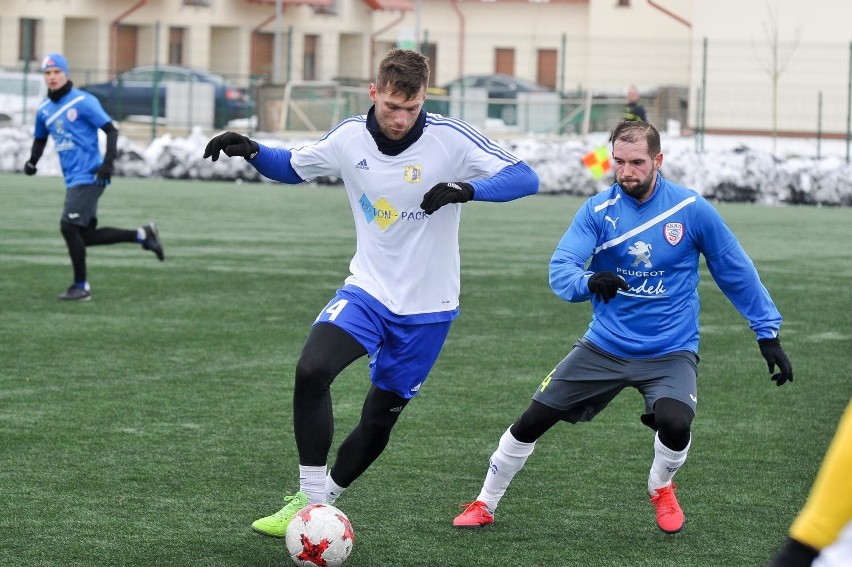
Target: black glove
{"type": "Point", "coordinates": [103, 174]}
{"type": "Point", "coordinates": [444, 194]}
{"type": "Point", "coordinates": [774, 354]}
{"type": "Point", "coordinates": [794, 554]}
{"type": "Point", "coordinates": [30, 168]}
{"type": "Point", "coordinates": [605, 285]}
{"type": "Point", "coordinates": [232, 144]}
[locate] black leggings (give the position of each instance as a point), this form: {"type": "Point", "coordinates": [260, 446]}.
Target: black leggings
{"type": "Point", "coordinates": [327, 352]}
{"type": "Point", "coordinates": [77, 238]}
{"type": "Point", "coordinates": [671, 419]}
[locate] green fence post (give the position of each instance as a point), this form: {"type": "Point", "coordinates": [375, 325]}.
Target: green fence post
{"type": "Point", "coordinates": [849, 105]}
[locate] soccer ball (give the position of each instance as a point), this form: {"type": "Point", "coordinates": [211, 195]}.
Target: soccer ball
{"type": "Point", "coordinates": [319, 535]}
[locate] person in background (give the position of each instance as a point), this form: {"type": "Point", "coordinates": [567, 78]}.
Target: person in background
{"type": "Point", "coordinates": [73, 117]}
{"type": "Point", "coordinates": [633, 110]}
{"type": "Point", "coordinates": [633, 251]}
{"type": "Point", "coordinates": [403, 291]}
{"type": "Point", "coordinates": [821, 535]}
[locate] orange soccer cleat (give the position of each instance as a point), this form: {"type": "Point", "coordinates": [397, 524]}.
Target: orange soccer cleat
{"type": "Point", "coordinates": [475, 515]}
{"type": "Point", "coordinates": [669, 514]}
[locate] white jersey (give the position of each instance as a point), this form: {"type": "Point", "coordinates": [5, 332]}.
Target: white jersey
{"type": "Point", "coordinates": [839, 553]}
{"type": "Point", "coordinates": [404, 258]}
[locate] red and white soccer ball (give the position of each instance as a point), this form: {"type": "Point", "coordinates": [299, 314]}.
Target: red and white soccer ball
{"type": "Point", "coordinates": [319, 535]}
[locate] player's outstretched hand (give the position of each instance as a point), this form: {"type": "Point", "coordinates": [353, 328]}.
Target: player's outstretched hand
{"type": "Point", "coordinates": [775, 355]}
{"type": "Point", "coordinates": [444, 194]}
{"type": "Point", "coordinates": [30, 168]}
{"type": "Point", "coordinates": [232, 144]}
{"type": "Point", "coordinates": [605, 285]}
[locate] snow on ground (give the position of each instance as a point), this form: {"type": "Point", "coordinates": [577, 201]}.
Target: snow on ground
{"type": "Point", "coordinates": [730, 168]}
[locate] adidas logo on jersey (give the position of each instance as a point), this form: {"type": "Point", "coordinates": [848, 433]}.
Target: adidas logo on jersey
{"type": "Point", "coordinates": [362, 165]}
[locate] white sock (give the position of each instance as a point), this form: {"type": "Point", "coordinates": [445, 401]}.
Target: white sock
{"type": "Point", "coordinates": [332, 490]}
{"type": "Point", "coordinates": [506, 461]}
{"type": "Point", "coordinates": [665, 465]}
{"type": "Point", "coordinates": [312, 483]}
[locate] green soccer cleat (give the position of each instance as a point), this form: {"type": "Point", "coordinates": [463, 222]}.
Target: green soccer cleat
{"type": "Point", "coordinates": [276, 524]}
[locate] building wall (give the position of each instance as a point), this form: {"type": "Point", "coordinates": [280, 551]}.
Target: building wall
{"type": "Point", "coordinates": [720, 50]}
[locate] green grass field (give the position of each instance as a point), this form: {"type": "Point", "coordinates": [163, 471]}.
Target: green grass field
{"type": "Point", "coordinates": [153, 424]}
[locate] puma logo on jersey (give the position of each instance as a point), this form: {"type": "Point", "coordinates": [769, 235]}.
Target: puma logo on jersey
{"type": "Point", "coordinates": [612, 221]}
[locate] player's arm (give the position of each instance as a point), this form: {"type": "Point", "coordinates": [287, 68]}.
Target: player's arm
{"type": "Point", "coordinates": [829, 505]}
{"type": "Point", "coordinates": [512, 182]}
{"type": "Point", "coordinates": [36, 152]}
{"type": "Point", "coordinates": [273, 163]}
{"type": "Point", "coordinates": [103, 174]}
{"type": "Point", "coordinates": [569, 278]}
{"type": "Point", "coordinates": [735, 274]}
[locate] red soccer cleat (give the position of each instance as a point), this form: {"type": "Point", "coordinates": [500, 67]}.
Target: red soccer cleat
{"type": "Point", "coordinates": [475, 515]}
{"type": "Point", "coordinates": [669, 514]}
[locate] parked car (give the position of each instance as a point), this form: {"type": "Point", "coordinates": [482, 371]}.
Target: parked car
{"type": "Point", "coordinates": [131, 93]}
{"type": "Point", "coordinates": [20, 96]}
{"type": "Point", "coordinates": [498, 87]}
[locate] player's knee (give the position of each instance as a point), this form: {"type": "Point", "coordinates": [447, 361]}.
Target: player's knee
{"type": "Point", "coordinates": [67, 229]}
{"type": "Point", "coordinates": [534, 422]}
{"type": "Point", "coordinates": [312, 377]}
{"type": "Point", "coordinates": [381, 411]}
{"type": "Point", "coordinates": [674, 420]}
{"type": "Point", "coordinates": [379, 423]}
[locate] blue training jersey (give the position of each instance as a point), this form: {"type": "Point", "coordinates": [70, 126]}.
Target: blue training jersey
{"type": "Point", "coordinates": [73, 122]}
{"type": "Point", "coordinates": [655, 247]}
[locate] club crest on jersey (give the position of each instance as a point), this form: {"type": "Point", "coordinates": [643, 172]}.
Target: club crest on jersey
{"type": "Point", "coordinates": [71, 115]}
{"type": "Point", "coordinates": [413, 173]}
{"type": "Point", "coordinates": [673, 232]}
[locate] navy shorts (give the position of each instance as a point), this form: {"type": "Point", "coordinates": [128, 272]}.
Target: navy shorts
{"type": "Point", "coordinates": [401, 356]}
{"type": "Point", "coordinates": [588, 379]}
{"type": "Point", "coordinates": [81, 205]}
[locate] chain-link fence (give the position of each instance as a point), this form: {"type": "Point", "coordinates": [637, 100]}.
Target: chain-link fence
{"type": "Point", "coordinates": [796, 95]}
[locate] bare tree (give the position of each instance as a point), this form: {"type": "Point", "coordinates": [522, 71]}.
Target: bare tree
{"type": "Point", "coordinates": [778, 58]}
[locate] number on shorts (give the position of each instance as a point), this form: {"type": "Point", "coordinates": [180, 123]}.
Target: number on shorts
{"type": "Point", "coordinates": [546, 381]}
{"type": "Point", "coordinates": [335, 308]}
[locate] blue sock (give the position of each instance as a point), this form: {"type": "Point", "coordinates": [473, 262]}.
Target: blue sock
{"type": "Point", "coordinates": [82, 285]}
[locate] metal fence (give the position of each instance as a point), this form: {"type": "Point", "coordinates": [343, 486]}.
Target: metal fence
{"type": "Point", "coordinates": [797, 95]}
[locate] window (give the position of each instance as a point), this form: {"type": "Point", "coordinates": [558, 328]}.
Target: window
{"type": "Point", "coordinates": [310, 59]}
{"type": "Point", "coordinates": [176, 41]}
{"type": "Point", "coordinates": [28, 34]}
{"type": "Point", "coordinates": [622, 3]}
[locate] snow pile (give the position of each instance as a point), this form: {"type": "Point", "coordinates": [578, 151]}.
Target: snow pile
{"type": "Point", "coordinates": [723, 172]}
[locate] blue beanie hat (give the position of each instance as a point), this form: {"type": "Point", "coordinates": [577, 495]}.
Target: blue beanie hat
{"type": "Point", "coordinates": [54, 60]}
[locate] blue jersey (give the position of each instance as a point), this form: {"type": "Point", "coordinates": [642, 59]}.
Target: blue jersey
{"type": "Point", "coordinates": [73, 122]}
{"type": "Point", "coordinates": [655, 247]}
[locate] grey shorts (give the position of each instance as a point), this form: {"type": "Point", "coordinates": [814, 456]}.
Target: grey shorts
{"type": "Point", "coordinates": [81, 205]}
{"type": "Point", "coordinates": [588, 379]}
